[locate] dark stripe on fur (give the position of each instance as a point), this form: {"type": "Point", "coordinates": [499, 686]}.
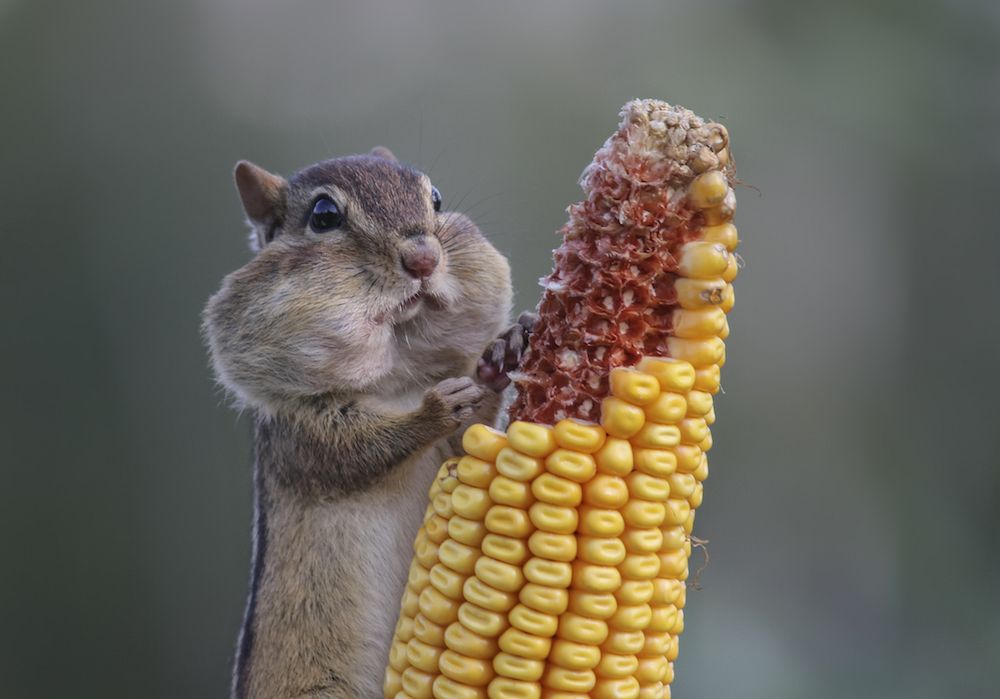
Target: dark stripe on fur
{"type": "Point", "coordinates": [241, 674]}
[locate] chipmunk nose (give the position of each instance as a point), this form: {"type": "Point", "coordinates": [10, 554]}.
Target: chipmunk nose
{"type": "Point", "coordinates": [419, 261]}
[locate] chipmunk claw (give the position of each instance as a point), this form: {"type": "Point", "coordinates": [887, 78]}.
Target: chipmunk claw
{"type": "Point", "coordinates": [503, 354]}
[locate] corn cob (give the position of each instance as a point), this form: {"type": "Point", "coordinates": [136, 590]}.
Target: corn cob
{"type": "Point", "coordinates": [553, 557]}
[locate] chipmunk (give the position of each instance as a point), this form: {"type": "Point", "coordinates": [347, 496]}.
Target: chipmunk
{"type": "Point", "coordinates": [355, 338]}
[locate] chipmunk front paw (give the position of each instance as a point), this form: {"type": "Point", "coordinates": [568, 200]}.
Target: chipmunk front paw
{"type": "Point", "coordinates": [455, 400]}
{"type": "Point", "coordinates": [503, 355]}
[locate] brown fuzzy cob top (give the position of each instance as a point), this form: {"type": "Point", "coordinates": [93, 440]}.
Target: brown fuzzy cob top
{"type": "Point", "coordinates": [611, 297]}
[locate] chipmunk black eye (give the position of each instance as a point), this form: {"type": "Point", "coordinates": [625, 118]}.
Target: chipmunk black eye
{"type": "Point", "coordinates": [436, 198]}
{"type": "Point", "coordinates": [325, 216]}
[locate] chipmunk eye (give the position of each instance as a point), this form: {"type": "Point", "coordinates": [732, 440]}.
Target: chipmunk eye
{"type": "Point", "coordinates": [436, 198]}
{"type": "Point", "coordinates": [325, 215]}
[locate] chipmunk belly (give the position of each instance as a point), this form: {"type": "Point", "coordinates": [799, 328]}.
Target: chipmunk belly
{"type": "Point", "coordinates": [334, 573]}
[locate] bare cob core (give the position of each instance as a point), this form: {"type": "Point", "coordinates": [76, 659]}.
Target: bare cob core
{"type": "Point", "coordinates": [612, 297]}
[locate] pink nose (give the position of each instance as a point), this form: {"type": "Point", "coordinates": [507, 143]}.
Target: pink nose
{"type": "Point", "coordinates": [420, 262]}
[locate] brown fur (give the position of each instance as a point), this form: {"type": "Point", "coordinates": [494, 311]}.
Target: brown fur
{"type": "Point", "coordinates": [355, 400]}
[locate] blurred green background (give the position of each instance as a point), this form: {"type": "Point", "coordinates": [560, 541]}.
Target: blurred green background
{"type": "Point", "coordinates": [854, 505]}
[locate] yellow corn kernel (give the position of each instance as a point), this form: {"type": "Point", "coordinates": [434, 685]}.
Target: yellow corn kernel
{"type": "Point", "coordinates": [708, 189]}
{"type": "Point", "coordinates": [422, 656]}
{"type": "Point", "coordinates": [482, 595]}
{"type": "Point", "coordinates": [667, 591]}
{"type": "Point", "coordinates": [447, 688]}
{"type": "Point", "coordinates": [668, 676]}
{"type": "Point", "coordinates": [545, 599]}
{"type": "Point", "coordinates": [471, 503]}
{"type": "Point", "coordinates": [695, 294]}
{"type": "Point", "coordinates": [616, 688]}
{"type": "Point", "coordinates": [673, 538]}
{"type": "Point", "coordinates": [575, 656]}
{"type": "Point", "coordinates": [701, 260]}
{"type": "Point", "coordinates": [640, 566]}
{"type": "Point", "coordinates": [418, 577]}
{"type": "Point", "coordinates": [673, 374]}
{"type": "Point", "coordinates": [634, 386]}
{"type": "Point", "coordinates": [410, 603]}
{"type": "Point", "coordinates": [708, 378]}
{"type": "Point", "coordinates": [678, 510]}
{"type": "Point", "coordinates": [392, 683]}
{"type": "Point", "coordinates": [667, 408]}
{"type": "Point", "coordinates": [556, 694]}
{"type": "Point", "coordinates": [710, 417]}
{"type": "Point", "coordinates": [693, 431]}
{"type": "Point", "coordinates": [651, 670]}
{"type": "Point", "coordinates": [724, 233]}
{"type": "Point", "coordinates": [556, 490]}
{"type": "Point", "coordinates": [699, 403]}
{"type": "Point", "coordinates": [595, 578]}
{"type": "Point", "coordinates": [681, 484]}
{"type": "Point", "coordinates": [524, 645]}
{"type": "Point", "coordinates": [703, 322]}
{"type": "Point", "coordinates": [674, 564]}
{"type": "Point", "coordinates": [688, 457]}
{"type": "Point", "coordinates": [533, 621]}
{"type": "Point", "coordinates": [404, 628]}
{"type": "Point", "coordinates": [579, 436]}
{"type": "Point", "coordinates": [508, 521]}
{"type": "Point", "coordinates": [602, 551]}
{"type": "Point", "coordinates": [506, 549]}
{"type": "Point", "coordinates": [605, 491]}
{"type": "Point", "coordinates": [701, 473]}
{"type": "Point", "coordinates": [615, 457]}
{"type": "Point", "coordinates": [623, 642]}
{"type": "Point", "coordinates": [438, 608]}
{"type": "Point", "coordinates": [700, 353]}
{"type": "Point", "coordinates": [696, 496]}
{"type": "Point", "coordinates": [644, 513]}
{"type": "Point", "coordinates": [507, 491]}
{"type": "Point", "coordinates": [517, 466]}
{"type": "Point", "coordinates": [524, 669]}
{"type": "Point", "coordinates": [732, 268]}
{"type": "Point", "coordinates": [499, 575]}
{"type": "Point", "coordinates": [657, 643]}
{"type": "Point", "coordinates": [436, 528]}
{"type": "Point", "coordinates": [581, 629]}
{"type": "Point", "coordinates": [531, 439]}
{"type": "Point", "coordinates": [573, 465]}
{"type": "Point", "coordinates": [656, 462]}
{"type": "Point", "coordinates": [567, 680]}
{"type": "Point", "coordinates": [706, 444]}
{"type": "Point", "coordinates": [620, 418]}
{"type": "Point", "coordinates": [646, 487]}
{"type": "Point", "coordinates": [663, 618]}
{"type": "Point", "coordinates": [555, 547]}
{"type": "Point", "coordinates": [654, 691]}
{"type": "Point", "coordinates": [689, 522]}
{"type": "Point", "coordinates": [425, 551]}
{"type": "Point", "coordinates": [554, 518]}
{"type": "Point", "coordinates": [475, 472]}
{"type": "Point", "coordinates": [642, 540]}
{"type": "Point", "coordinates": [397, 656]}
{"type": "Point", "coordinates": [446, 581]}
{"type": "Point", "coordinates": [417, 684]}
{"type": "Point", "coordinates": [483, 442]}
{"type": "Point", "coordinates": [596, 521]}
{"type": "Point", "coordinates": [728, 299]}
{"type": "Point", "coordinates": [656, 436]}
{"type": "Point", "coordinates": [596, 605]}
{"type": "Point", "coordinates": [459, 557]}
{"type": "Point", "coordinates": [557, 574]}
{"type": "Point", "coordinates": [633, 592]}
{"type": "Point", "coordinates": [442, 504]}
{"type": "Point", "coordinates": [469, 643]}
{"type": "Point", "coordinates": [614, 665]}
{"type": "Point", "coordinates": [466, 531]}
{"type": "Point", "coordinates": [507, 688]}
{"type": "Point", "coordinates": [472, 671]}
{"type": "Point", "coordinates": [482, 621]}
{"type": "Point", "coordinates": [674, 645]}
{"type": "Point", "coordinates": [631, 617]}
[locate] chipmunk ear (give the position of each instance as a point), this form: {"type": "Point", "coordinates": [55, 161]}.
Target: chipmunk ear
{"type": "Point", "coordinates": [263, 195]}
{"type": "Point", "coordinates": [383, 152]}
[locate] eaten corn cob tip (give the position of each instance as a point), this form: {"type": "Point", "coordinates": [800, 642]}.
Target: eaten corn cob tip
{"type": "Point", "coordinates": [553, 557]}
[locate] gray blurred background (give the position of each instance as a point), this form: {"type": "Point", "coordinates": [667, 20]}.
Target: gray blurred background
{"type": "Point", "coordinates": [854, 505]}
